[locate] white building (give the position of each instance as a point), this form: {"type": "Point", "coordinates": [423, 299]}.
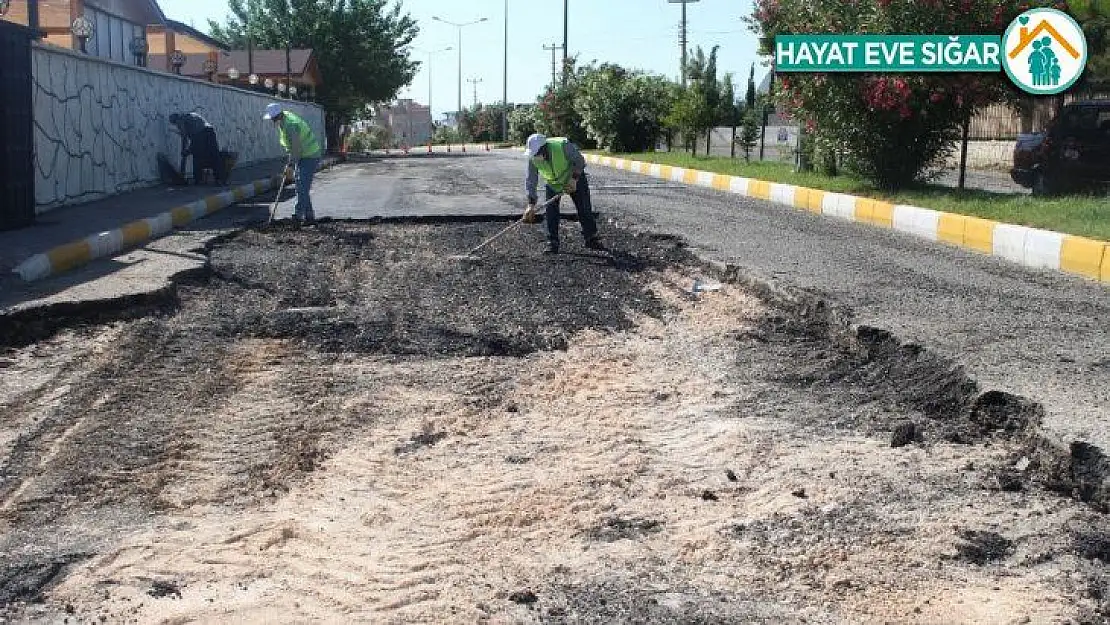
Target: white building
{"type": "Point", "coordinates": [408, 122]}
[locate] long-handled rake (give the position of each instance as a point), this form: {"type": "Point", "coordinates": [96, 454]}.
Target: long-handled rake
{"type": "Point", "coordinates": [281, 189]}
{"type": "Point", "coordinates": [470, 256]}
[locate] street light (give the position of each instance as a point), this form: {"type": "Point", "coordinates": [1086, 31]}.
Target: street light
{"type": "Point", "coordinates": [460, 27]}
{"type": "Point", "coordinates": [177, 59]}
{"type": "Point", "coordinates": [430, 56]}
{"type": "Point", "coordinates": [232, 74]}
{"type": "Point", "coordinates": [269, 84]}
{"type": "Point", "coordinates": [139, 47]}
{"type": "Point", "coordinates": [505, 82]}
{"type": "Point", "coordinates": [83, 29]}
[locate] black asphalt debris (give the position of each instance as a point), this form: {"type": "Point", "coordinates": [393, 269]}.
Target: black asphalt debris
{"type": "Point", "coordinates": [346, 287]}
{"type": "Point", "coordinates": [983, 547]}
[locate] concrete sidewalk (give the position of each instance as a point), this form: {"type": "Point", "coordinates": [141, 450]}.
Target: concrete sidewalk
{"type": "Point", "coordinates": [63, 225]}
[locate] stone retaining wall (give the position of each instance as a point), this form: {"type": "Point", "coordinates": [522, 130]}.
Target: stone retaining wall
{"type": "Point", "coordinates": [100, 125]}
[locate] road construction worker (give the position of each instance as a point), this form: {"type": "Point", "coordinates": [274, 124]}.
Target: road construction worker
{"type": "Point", "coordinates": [198, 138]}
{"type": "Point", "coordinates": [304, 149]}
{"type": "Point", "coordinates": [563, 169]}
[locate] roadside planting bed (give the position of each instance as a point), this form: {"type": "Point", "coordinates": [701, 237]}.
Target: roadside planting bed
{"type": "Point", "coordinates": [343, 423]}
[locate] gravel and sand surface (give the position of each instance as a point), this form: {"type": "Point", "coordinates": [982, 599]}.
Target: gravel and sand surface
{"type": "Point", "coordinates": [342, 423]}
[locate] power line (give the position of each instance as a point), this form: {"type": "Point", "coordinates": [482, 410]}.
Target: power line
{"type": "Point", "coordinates": [566, 29]}
{"type": "Point", "coordinates": [554, 62]}
{"type": "Point", "coordinates": [475, 81]}
{"type": "Point", "coordinates": [682, 41]}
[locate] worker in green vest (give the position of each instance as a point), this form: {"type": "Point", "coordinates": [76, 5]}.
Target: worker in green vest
{"type": "Point", "coordinates": [563, 168]}
{"type": "Point", "coordinates": [304, 149]}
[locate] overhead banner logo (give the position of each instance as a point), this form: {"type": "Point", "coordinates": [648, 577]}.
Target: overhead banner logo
{"type": "Point", "coordinates": [1043, 52]}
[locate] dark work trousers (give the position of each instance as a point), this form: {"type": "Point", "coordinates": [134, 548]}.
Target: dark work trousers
{"type": "Point", "coordinates": [581, 199]}
{"type": "Point", "coordinates": [206, 155]}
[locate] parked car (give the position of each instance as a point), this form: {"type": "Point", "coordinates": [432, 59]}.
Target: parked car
{"type": "Point", "coordinates": [1071, 154]}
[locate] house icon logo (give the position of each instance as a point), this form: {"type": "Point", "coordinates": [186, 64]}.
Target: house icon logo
{"type": "Point", "coordinates": [1045, 51]}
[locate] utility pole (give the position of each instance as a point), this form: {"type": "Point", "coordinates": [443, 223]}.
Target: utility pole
{"type": "Point", "coordinates": [505, 82]}
{"type": "Point", "coordinates": [554, 63]}
{"type": "Point", "coordinates": [682, 35]}
{"type": "Point", "coordinates": [566, 30]}
{"type": "Point", "coordinates": [459, 27]}
{"type": "Point", "coordinates": [474, 82]}
{"type": "Point", "coordinates": [432, 54]}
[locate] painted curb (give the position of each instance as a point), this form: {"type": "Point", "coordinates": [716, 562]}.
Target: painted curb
{"type": "Point", "coordinates": [82, 251]}
{"type": "Point", "coordinates": [1031, 247]}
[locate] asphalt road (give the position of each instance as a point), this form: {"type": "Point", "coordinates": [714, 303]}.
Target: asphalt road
{"type": "Point", "coordinates": [1040, 334]}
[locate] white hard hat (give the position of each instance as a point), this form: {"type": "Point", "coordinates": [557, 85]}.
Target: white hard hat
{"type": "Point", "coordinates": [272, 111]}
{"type": "Point", "coordinates": [535, 142]}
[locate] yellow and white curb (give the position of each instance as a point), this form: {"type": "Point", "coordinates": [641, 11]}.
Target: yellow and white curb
{"type": "Point", "coordinates": [1031, 247]}
{"type": "Point", "coordinates": [82, 251]}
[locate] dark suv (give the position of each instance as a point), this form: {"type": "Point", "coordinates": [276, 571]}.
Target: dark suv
{"type": "Point", "coordinates": [1072, 153]}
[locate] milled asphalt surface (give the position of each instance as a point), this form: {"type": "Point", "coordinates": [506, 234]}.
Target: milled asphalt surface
{"type": "Point", "coordinates": [1040, 334]}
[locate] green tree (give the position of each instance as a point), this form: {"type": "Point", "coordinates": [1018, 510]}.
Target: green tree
{"type": "Point", "coordinates": [481, 123]}
{"type": "Point", "coordinates": [701, 72]}
{"type": "Point", "coordinates": [891, 129]}
{"type": "Point", "coordinates": [730, 111]}
{"type": "Point", "coordinates": [359, 45]}
{"type": "Point", "coordinates": [445, 134]}
{"type": "Point", "coordinates": [749, 132]}
{"type": "Point", "coordinates": [749, 94]}
{"type": "Point", "coordinates": [622, 110]}
{"type": "Point", "coordinates": [556, 114]}
{"type": "Point", "coordinates": [522, 123]}
{"type": "Point", "coordinates": [1094, 17]}
{"type": "Point", "coordinates": [686, 116]}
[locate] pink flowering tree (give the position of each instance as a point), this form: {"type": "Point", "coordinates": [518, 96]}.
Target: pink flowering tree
{"type": "Point", "coordinates": [894, 129]}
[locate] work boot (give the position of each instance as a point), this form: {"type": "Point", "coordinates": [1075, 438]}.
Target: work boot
{"type": "Point", "coordinates": [552, 248]}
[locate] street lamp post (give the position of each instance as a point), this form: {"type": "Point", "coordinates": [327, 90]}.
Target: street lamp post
{"type": "Point", "coordinates": [82, 28]}
{"type": "Point", "coordinates": [505, 81]}
{"type": "Point", "coordinates": [460, 27]}
{"type": "Point", "coordinates": [430, 56]}
{"type": "Point", "coordinates": [566, 29]}
{"type": "Point", "coordinates": [139, 48]}
{"type": "Point", "coordinates": [177, 59]}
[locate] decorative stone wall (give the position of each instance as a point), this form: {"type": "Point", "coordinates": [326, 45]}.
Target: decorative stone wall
{"type": "Point", "coordinates": [99, 125]}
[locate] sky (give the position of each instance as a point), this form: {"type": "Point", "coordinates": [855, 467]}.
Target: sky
{"type": "Point", "coordinates": [637, 34]}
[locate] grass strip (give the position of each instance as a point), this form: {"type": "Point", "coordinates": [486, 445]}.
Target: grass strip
{"type": "Point", "coordinates": [1081, 215]}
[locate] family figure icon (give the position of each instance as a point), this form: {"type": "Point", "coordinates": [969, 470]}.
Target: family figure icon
{"type": "Point", "coordinates": [1046, 56]}
{"type": "Point", "coordinates": [1043, 64]}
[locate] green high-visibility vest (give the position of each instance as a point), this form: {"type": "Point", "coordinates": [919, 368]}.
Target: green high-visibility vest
{"type": "Point", "coordinates": [557, 171]}
{"type": "Point", "coordinates": [310, 147]}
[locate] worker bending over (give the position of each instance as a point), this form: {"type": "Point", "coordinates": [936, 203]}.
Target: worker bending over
{"type": "Point", "coordinates": [304, 149]}
{"type": "Point", "coordinates": [198, 138]}
{"type": "Point", "coordinates": [563, 169]}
